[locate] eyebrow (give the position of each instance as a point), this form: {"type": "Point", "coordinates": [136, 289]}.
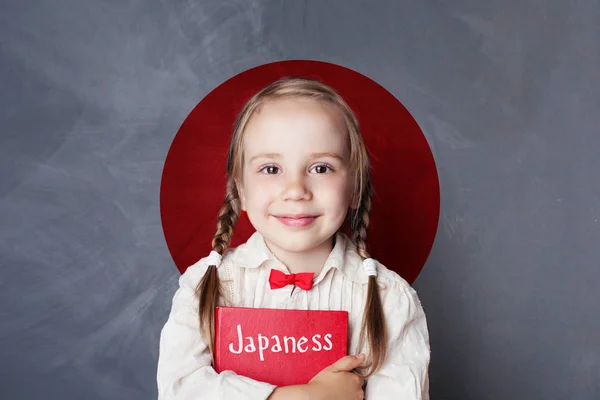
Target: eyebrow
{"type": "Point", "coordinates": [332, 155]}
{"type": "Point", "coordinates": [266, 155]}
{"type": "Point", "coordinates": [314, 155]}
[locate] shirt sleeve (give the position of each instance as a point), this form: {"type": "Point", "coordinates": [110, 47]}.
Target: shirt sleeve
{"type": "Point", "coordinates": [184, 370]}
{"type": "Point", "coordinates": [404, 374]}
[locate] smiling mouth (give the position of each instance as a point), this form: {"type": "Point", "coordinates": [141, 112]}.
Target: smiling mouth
{"type": "Point", "coordinates": [296, 220]}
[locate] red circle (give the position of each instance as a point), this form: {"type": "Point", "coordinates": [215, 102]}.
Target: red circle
{"type": "Point", "coordinates": [405, 211]}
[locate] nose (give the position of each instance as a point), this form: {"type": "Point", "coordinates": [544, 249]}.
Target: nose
{"type": "Point", "coordinates": [296, 188]}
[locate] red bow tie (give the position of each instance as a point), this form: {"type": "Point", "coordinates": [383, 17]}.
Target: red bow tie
{"type": "Point", "coordinates": [278, 279]}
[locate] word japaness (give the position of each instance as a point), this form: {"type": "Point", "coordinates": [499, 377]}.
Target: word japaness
{"type": "Point", "coordinates": [290, 344]}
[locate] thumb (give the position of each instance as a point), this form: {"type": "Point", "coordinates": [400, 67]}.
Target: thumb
{"type": "Point", "coordinates": [347, 363]}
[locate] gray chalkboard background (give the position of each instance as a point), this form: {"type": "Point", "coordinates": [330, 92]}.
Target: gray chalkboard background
{"type": "Point", "coordinates": [506, 92]}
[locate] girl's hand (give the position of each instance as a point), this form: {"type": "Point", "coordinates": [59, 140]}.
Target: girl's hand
{"type": "Point", "coordinates": [338, 381]}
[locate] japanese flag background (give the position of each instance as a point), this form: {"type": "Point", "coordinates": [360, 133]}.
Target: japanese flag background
{"type": "Point", "coordinates": [505, 96]}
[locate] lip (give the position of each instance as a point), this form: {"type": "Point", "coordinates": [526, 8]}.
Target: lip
{"type": "Point", "coordinates": [296, 221]}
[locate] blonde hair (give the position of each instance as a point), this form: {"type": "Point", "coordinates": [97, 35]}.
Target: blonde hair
{"type": "Point", "coordinates": [373, 329]}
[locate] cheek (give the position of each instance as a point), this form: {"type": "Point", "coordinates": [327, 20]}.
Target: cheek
{"type": "Point", "coordinates": [337, 192]}
{"type": "Point", "coordinates": [258, 190]}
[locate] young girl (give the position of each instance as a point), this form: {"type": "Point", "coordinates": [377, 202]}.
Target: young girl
{"type": "Point", "coordinates": [298, 167]}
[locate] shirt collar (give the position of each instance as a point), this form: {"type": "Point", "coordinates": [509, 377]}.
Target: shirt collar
{"type": "Point", "coordinates": [343, 256]}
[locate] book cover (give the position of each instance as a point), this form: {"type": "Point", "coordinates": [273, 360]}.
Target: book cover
{"type": "Point", "coordinates": [281, 347]}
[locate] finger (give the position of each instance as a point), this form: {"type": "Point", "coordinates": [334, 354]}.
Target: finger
{"type": "Point", "coordinates": [345, 364]}
{"type": "Point", "coordinates": [348, 363]}
{"type": "Point", "coordinates": [360, 381]}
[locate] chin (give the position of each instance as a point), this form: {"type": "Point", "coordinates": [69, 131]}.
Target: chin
{"type": "Point", "coordinates": [296, 242]}
{"type": "Point", "coordinates": [295, 239]}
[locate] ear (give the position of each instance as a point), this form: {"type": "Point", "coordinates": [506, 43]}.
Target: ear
{"type": "Point", "coordinates": [241, 194]}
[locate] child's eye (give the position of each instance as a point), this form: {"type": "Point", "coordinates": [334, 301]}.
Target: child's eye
{"type": "Point", "coordinates": [321, 169]}
{"type": "Point", "coordinates": [270, 170]}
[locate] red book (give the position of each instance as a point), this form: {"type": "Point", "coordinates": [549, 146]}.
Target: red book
{"type": "Point", "coordinates": [281, 347]}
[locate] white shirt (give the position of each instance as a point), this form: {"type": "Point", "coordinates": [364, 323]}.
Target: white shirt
{"type": "Point", "coordinates": [184, 365]}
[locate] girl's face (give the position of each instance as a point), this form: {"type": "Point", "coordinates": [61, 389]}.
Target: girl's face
{"type": "Point", "coordinates": [296, 184]}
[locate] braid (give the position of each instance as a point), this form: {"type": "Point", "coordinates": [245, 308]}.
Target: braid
{"type": "Point", "coordinates": [373, 324]}
{"type": "Point", "coordinates": [228, 217]}
{"type": "Point", "coordinates": [361, 220]}
{"type": "Point", "coordinates": [209, 288]}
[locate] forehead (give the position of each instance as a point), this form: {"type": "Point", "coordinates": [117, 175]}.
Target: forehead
{"type": "Point", "coordinates": [296, 124]}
